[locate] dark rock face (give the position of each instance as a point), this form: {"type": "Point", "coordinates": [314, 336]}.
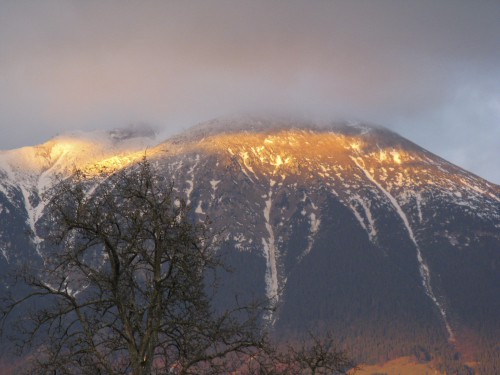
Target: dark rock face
{"type": "Point", "coordinates": [349, 227]}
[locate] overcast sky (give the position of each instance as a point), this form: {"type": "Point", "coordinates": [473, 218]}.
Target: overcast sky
{"type": "Point", "coordinates": [427, 69]}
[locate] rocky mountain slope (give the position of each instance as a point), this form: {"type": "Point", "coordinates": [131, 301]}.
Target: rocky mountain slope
{"type": "Point", "coordinates": [343, 226]}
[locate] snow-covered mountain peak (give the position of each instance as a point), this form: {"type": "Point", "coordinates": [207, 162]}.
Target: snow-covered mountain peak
{"type": "Point", "coordinates": [282, 143]}
{"type": "Point", "coordinates": [354, 162]}
{"type": "Point", "coordinates": [65, 152]}
{"type": "Point", "coordinates": [29, 171]}
{"type": "Point", "coordinates": [269, 124]}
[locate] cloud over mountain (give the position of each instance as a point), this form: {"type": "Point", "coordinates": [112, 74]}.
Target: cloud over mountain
{"type": "Point", "coordinates": [427, 69]}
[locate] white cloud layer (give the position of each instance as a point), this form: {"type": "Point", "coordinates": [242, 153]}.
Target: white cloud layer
{"type": "Point", "coordinates": [427, 69]}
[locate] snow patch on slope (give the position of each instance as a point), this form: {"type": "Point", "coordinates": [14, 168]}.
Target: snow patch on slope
{"type": "Point", "coordinates": [244, 156]}
{"type": "Point", "coordinates": [423, 267]}
{"type": "Point", "coordinates": [314, 224]}
{"type": "Point", "coordinates": [369, 226]}
{"type": "Point", "coordinates": [199, 209]}
{"type": "Point", "coordinates": [214, 184]}
{"type": "Point", "coordinates": [418, 199]}
{"type": "Point", "coordinates": [190, 182]}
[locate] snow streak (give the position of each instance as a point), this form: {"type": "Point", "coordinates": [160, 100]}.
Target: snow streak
{"type": "Point", "coordinates": [370, 228]}
{"type": "Point", "coordinates": [190, 182]}
{"type": "Point", "coordinates": [314, 224]}
{"type": "Point", "coordinates": [270, 254]}
{"type": "Point", "coordinates": [423, 267]}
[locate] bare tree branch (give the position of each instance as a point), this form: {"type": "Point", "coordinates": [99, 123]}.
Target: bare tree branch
{"type": "Point", "coordinates": [122, 290]}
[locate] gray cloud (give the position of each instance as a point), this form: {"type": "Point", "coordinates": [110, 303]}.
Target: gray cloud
{"type": "Point", "coordinates": [429, 70]}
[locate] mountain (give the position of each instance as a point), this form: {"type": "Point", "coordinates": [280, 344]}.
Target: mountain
{"type": "Point", "coordinates": [27, 173]}
{"type": "Point", "coordinates": [347, 227]}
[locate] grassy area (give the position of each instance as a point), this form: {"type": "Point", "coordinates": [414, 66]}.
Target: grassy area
{"type": "Point", "coordinates": [399, 366]}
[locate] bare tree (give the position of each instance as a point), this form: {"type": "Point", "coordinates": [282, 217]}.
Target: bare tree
{"type": "Point", "coordinates": [318, 356]}
{"type": "Point", "coordinates": [314, 355]}
{"type": "Point", "coordinates": [124, 288]}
